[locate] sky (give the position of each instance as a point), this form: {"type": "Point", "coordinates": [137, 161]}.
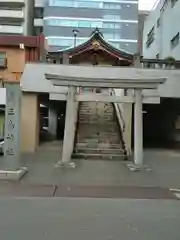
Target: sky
{"type": "Point", "coordinates": [146, 4]}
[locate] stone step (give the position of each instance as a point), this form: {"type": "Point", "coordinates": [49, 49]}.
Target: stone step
{"type": "Point", "coordinates": [99, 114]}
{"type": "Point", "coordinates": [86, 112]}
{"type": "Point", "coordinates": [85, 121]}
{"type": "Point", "coordinates": [99, 156]}
{"type": "Point", "coordinates": [95, 140]}
{"type": "Point", "coordinates": [93, 130]}
{"type": "Point", "coordinates": [99, 150]}
{"type": "Point", "coordinates": [99, 145]}
{"type": "Point", "coordinates": [108, 126]}
{"type": "Point", "coordinates": [95, 107]}
{"type": "Point", "coordinates": [94, 118]}
{"type": "Point", "coordinates": [95, 104]}
{"type": "Point", "coordinates": [91, 111]}
{"type": "Point", "coordinates": [98, 140]}
{"type": "Point", "coordinates": [94, 135]}
{"type": "Point", "coordinates": [96, 112]}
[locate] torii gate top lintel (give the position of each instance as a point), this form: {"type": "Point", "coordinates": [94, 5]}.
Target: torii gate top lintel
{"type": "Point", "coordinates": [130, 83]}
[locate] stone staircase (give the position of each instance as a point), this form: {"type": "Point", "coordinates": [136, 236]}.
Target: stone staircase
{"type": "Point", "coordinates": [98, 135]}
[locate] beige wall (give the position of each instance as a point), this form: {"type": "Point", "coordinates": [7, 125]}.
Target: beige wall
{"type": "Point", "coordinates": [29, 122]}
{"type": "Point", "coordinates": [15, 64]}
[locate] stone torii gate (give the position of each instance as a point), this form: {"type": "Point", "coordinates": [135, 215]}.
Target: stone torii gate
{"type": "Point", "coordinates": [73, 97]}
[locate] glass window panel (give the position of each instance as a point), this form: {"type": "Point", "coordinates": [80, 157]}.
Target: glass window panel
{"type": "Point", "coordinates": [111, 6]}
{"type": "Point", "coordinates": [87, 4]}
{"type": "Point", "coordinates": [108, 25]}
{"type": "Point", "coordinates": [112, 17]}
{"type": "Point", "coordinates": [68, 23]}
{"type": "Point", "coordinates": [96, 24]}
{"type": "Point", "coordinates": [73, 23]}
{"type": "Point", "coordinates": [112, 25]}
{"type": "Point", "coordinates": [84, 24]}
{"type": "Point", "coordinates": [71, 3]}
{"type": "Point", "coordinates": [112, 35]}
{"type": "Point", "coordinates": [108, 35]}
{"type": "Point", "coordinates": [63, 3]}
{"type": "Point", "coordinates": [117, 26]}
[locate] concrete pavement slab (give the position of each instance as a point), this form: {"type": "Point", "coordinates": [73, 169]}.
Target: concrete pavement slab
{"type": "Point", "coordinates": [26, 190]}
{"type": "Point", "coordinates": [10, 189]}
{"type": "Point", "coordinates": [114, 192]}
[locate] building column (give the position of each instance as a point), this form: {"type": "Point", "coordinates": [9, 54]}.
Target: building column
{"type": "Point", "coordinates": [52, 123]}
{"type": "Point", "coordinates": [138, 128]}
{"type": "Point", "coordinates": [69, 132]}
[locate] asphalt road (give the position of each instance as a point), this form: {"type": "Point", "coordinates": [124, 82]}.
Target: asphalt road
{"type": "Point", "coordinates": [88, 219]}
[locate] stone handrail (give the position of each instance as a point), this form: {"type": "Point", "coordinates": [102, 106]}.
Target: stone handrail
{"type": "Point", "coordinates": [121, 123]}
{"type": "Point", "coordinates": [119, 113]}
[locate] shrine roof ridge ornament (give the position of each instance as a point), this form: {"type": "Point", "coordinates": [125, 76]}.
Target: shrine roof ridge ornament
{"type": "Point", "coordinates": [133, 83]}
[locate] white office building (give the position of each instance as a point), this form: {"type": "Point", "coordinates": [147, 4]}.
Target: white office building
{"type": "Point", "coordinates": [21, 17]}
{"type": "Point", "coordinates": [162, 31]}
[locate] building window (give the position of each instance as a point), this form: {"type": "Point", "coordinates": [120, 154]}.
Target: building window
{"type": "Point", "coordinates": [96, 24]}
{"type": "Point", "coordinates": [76, 4]}
{"type": "Point", "coordinates": [173, 2]}
{"type": "Point", "coordinates": [112, 35]}
{"type": "Point", "coordinates": [150, 37]}
{"type": "Point", "coordinates": [112, 25]}
{"type": "Point", "coordinates": [2, 59]}
{"type": "Point", "coordinates": [112, 17]}
{"type": "Point", "coordinates": [82, 23]}
{"type": "Point", "coordinates": [87, 4]}
{"type": "Point", "coordinates": [73, 23]}
{"type": "Point", "coordinates": [175, 41]}
{"type": "Point", "coordinates": [85, 24]}
{"type": "Point", "coordinates": [61, 3]}
{"type": "Point", "coordinates": [158, 22]}
{"type": "Point", "coordinates": [111, 6]}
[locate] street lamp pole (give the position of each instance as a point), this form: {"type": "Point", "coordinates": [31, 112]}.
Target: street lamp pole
{"type": "Point", "coordinates": [75, 32]}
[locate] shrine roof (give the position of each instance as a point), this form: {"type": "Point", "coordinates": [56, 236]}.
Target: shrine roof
{"type": "Point", "coordinates": [97, 41]}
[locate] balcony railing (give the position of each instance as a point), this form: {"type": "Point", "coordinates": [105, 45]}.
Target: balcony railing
{"type": "Point", "coordinates": [160, 63]}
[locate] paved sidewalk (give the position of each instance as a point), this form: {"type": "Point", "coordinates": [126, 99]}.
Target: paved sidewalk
{"type": "Point", "coordinates": [165, 172]}
{"type": "Point", "coordinates": [89, 219]}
